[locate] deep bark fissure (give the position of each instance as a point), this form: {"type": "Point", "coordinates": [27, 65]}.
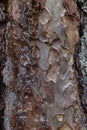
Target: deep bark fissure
{"type": "Point", "coordinates": [3, 21]}
{"type": "Point", "coordinates": [81, 59]}
{"type": "Point", "coordinates": [2, 104]}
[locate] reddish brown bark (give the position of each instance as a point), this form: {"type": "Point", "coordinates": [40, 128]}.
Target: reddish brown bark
{"type": "Point", "coordinates": [38, 73]}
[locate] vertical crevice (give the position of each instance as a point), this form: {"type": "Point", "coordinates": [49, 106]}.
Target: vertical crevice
{"type": "Point", "coordinates": [81, 62]}
{"type": "Point", "coordinates": [2, 103]}
{"type": "Point", "coordinates": [3, 21]}
{"type": "Point", "coordinates": [81, 51]}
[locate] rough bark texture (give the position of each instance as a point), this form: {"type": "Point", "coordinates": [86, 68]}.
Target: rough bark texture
{"type": "Point", "coordinates": [3, 21]}
{"type": "Point", "coordinates": [81, 62]}
{"type": "Point", "coordinates": [82, 58]}
{"type": "Point", "coordinates": [37, 75]}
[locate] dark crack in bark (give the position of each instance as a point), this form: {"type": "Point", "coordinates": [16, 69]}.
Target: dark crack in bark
{"type": "Point", "coordinates": [81, 61]}
{"type": "Point", "coordinates": [3, 22]}
{"type": "Point", "coordinates": [81, 54]}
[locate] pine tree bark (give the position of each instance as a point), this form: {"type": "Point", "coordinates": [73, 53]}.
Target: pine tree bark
{"type": "Point", "coordinates": [39, 87]}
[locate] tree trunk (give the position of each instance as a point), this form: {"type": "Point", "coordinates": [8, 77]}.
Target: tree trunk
{"type": "Point", "coordinates": [41, 70]}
